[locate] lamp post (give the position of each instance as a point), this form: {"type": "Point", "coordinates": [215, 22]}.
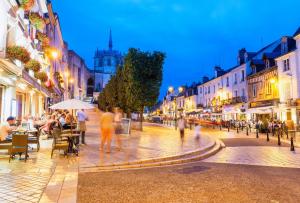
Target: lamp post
{"type": "Point", "coordinates": [172, 91]}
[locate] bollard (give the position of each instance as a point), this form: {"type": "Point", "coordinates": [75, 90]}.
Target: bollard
{"type": "Point", "coordinates": [273, 131]}
{"type": "Point", "coordinates": [247, 133]}
{"type": "Point", "coordinates": [257, 133]}
{"type": "Point", "coordinates": [268, 139]}
{"type": "Point", "coordinates": [287, 134]}
{"type": "Point", "coordinates": [278, 135]}
{"type": "Point", "coordinates": [228, 128]}
{"type": "Point", "coordinates": [237, 129]}
{"type": "Point", "coordinates": [292, 144]}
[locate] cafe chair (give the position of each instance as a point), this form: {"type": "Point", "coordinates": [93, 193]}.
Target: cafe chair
{"type": "Point", "coordinates": [58, 143]}
{"type": "Point", "coordinates": [19, 145]}
{"type": "Point", "coordinates": [35, 139]}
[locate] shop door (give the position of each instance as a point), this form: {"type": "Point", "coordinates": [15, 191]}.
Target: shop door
{"type": "Point", "coordinates": [19, 107]}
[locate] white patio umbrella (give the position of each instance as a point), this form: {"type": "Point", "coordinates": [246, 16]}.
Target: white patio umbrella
{"type": "Point", "coordinates": [72, 104]}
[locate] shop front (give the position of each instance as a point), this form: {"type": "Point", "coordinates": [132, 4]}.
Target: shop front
{"type": "Point", "coordinates": [264, 110]}
{"type": "Point", "coordinates": [235, 112]}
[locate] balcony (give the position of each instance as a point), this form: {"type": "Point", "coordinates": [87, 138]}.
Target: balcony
{"type": "Point", "coordinates": [234, 100]}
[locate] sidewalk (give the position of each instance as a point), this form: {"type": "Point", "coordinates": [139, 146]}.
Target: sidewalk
{"type": "Point", "coordinates": [153, 143]}
{"type": "Point", "coordinates": [40, 179]}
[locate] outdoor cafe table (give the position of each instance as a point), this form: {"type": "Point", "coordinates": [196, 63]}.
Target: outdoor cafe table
{"type": "Point", "coordinates": [72, 145]}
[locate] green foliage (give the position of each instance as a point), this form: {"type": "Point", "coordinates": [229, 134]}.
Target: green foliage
{"type": "Point", "coordinates": [18, 52]}
{"type": "Point", "coordinates": [27, 4]}
{"type": "Point", "coordinates": [143, 73]}
{"type": "Point", "coordinates": [37, 21]}
{"type": "Point", "coordinates": [136, 85]}
{"type": "Point", "coordinates": [42, 76]}
{"type": "Point", "coordinates": [33, 65]}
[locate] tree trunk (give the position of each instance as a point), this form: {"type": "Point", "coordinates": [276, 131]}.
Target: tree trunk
{"type": "Point", "coordinates": [141, 119]}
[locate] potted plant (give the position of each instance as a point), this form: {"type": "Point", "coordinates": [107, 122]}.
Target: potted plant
{"type": "Point", "coordinates": [27, 4]}
{"type": "Point", "coordinates": [33, 65]}
{"type": "Point", "coordinates": [42, 76]}
{"type": "Point", "coordinates": [37, 21]}
{"type": "Point", "coordinates": [43, 38]}
{"type": "Point", "coordinates": [18, 53]}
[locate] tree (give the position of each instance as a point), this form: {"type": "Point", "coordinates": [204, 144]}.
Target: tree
{"type": "Point", "coordinates": [143, 72]}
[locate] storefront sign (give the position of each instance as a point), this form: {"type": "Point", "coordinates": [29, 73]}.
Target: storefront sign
{"type": "Point", "coordinates": [263, 103]}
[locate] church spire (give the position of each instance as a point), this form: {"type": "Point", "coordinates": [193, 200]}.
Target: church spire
{"type": "Point", "coordinates": [110, 44]}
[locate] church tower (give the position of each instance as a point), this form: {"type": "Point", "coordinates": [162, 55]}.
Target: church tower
{"type": "Point", "coordinates": [105, 64]}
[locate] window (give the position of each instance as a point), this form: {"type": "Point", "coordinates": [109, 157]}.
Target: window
{"type": "Point", "coordinates": [243, 76]}
{"type": "Point", "coordinates": [214, 89]}
{"type": "Point", "coordinates": [235, 78]}
{"type": "Point", "coordinates": [235, 93]}
{"type": "Point", "coordinates": [243, 92]}
{"type": "Point", "coordinates": [254, 90]}
{"type": "Point", "coordinates": [286, 65]}
{"type": "Point", "coordinates": [205, 90]}
{"type": "Point", "coordinates": [267, 64]}
{"type": "Point", "coordinates": [200, 90]}
{"type": "Point", "coordinates": [79, 77]}
{"type": "Point", "coordinates": [227, 82]}
{"type": "Point", "coordinates": [208, 89]}
{"type": "Point", "coordinates": [269, 88]}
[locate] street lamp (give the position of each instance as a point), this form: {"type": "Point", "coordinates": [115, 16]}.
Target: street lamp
{"type": "Point", "coordinates": [172, 91]}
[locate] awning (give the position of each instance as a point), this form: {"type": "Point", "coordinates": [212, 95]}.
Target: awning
{"type": "Point", "coordinates": [263, 110]}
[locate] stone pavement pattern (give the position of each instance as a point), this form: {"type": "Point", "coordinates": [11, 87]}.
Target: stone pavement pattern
{"type": "Point", "coordinates": [32, 181]}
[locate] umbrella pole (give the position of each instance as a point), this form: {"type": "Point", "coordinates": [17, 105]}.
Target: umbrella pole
{"type": "Point", "coordinates": [72, 123]}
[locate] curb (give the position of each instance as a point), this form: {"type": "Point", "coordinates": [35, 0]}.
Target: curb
{"type": "Point", "coordinates": [161, 159]}
{"type": "Point", "coordinates": [218, 145]}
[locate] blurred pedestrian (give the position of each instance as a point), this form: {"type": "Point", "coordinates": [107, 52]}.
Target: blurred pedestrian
{"type": "Point", "coordinates": [106, 129]}
{"type": "Point", "coordinates": [118, 126]}
{"type": "Point", "coordinates": [197, 131]}
{"type": "Point", "coordinates": [81, 119]}
{"type": "Point", "coordinates": [181, 126]}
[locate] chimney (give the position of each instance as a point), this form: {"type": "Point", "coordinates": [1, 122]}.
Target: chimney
{"type": "Point", "coordinates": [241, 56]}
{"type": "Point", "coordinates": [205, 79]}
{"type": "Point", "coordinates": [218, 71]}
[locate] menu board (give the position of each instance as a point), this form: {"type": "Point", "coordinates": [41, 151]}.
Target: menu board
{"type": "Point", "coordinates": [126, 124]}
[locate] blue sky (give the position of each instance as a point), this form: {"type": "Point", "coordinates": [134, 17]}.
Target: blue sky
{"type": "Point", "coordinates": [196, 35]}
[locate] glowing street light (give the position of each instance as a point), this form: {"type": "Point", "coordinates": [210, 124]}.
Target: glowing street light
{"type": "Point", "coordinates": [171, 90]}
{"type": "Point", "coordinates": [54, 54]}
{"type": "Point", "coordinates": [67, 74]}
{"type": "Point", "coordinates": [71, 80]}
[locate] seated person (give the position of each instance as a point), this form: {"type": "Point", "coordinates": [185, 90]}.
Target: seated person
{"type": "Point", "coordinates": [7, 128]}
{"type": "Point", "coordinates": [62, 120]}
{"type": "Point", "coordinates": [45, 129]}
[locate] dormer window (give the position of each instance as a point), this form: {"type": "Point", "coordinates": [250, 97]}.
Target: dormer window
{"type": "Point", "coordinates": [267, 63]}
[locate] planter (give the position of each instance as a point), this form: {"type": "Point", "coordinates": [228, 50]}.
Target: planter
{"type": "Point", "coordinates": [31, 73]}
{"type": "Point", "coordinates": [33, 65]}
{"type": "Point", "coordinates": [27, 4]}
{"type": "Point", "coordinates": [37, 21]}
{"type": "Point", "coordinates": [42, 76]}
{"type": "Point", "coordinates": [18, 52]}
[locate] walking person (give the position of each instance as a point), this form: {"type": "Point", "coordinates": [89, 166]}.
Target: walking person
{"type": "Point", "coordinates": [181, 126]}
{"type": "Point", "coordinates": [197, 131]}
{"type": "Point", "coordinates": [81, 119]}
{"type": "Point", "coordinates": [106, 129]}
{"type": "Point", "coordinates": [118, 126]}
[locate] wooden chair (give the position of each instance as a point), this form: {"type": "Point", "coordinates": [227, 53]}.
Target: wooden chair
{"type": "Point", "coordinates": [58, 143]}
{"type": "Point", "coordinates": [35, 139]}
{"type": "Point", "coordinates": [19, 145]}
